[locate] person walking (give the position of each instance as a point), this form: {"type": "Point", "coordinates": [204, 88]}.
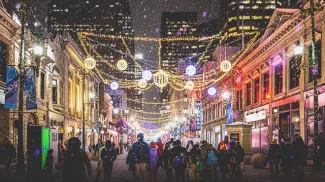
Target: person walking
{"type": "Point", "coordinates": [141, 154]}
{"type": "Point", "coordinates": [108, 156]}
{"type": "Point", "coordinates": [130, 162]}
{"type": "Point", "coordinates": [153, 160]}
{"type": "Point", "coordinates": [240, 154]}
{"type": "Point", "coordinates": [300, 154]}
{"type": "Point", "coordinates": [287, 152]}
{"type": "Point", "coordinates": [7, 154]}
{"type": "Point", "coordinates": [75, 160]}
{"type": "Point", "coordinates": [160, 150]}
{"type": "Point", "coordinates": [49, 164]}
{"type": "Point", "coordinates": [167, 165]}
{"type": "Point", "coordinates": [224, 156]}
{"type": "Point", "coordinates": [178, 161]}
{"type": "Point", "coordinates": [100, 167]}
{"type": "Point", "coordinates": [273, 157]}
{"type": "Point", "coordinates": [209, 159]}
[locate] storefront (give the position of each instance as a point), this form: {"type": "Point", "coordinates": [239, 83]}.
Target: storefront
{"type": "Point", "coordinates": [260, 128]}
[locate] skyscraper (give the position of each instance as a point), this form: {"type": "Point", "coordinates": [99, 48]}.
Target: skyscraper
{"type": "Point", "coordinates": [177, 24]}
{"type": "Point", "coordinates": [245, 16]}
{"type": "Point", "coordinates": [109, 17]}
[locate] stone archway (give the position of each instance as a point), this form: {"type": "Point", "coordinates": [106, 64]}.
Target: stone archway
{"type": "Point", "coordinates": [32, 119]}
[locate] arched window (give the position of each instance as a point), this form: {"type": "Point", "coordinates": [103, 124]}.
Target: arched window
{"type": "Point", "coordinates": [56, 90]}
{"type": "Point", "coordinates": [32, 119]}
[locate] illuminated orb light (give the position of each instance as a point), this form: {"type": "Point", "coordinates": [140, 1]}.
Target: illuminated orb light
{"type": "Point", "coordinates": [146, 75]}
{"type": "Point", "coordinates": [122, 65]}
{"type": "Point", "coordinates": [189, 85]}
{"type": "Point", "coordinates": [142, 83]}
{"type": "Point", "coordinates": [90, 63]}
{"type": "Point", "coordinates": [190, 70]}
{"type": "Point", "coordinates": [225, 66]}
{"type": "Point", "coordinates": [212, 91]}
{"type": "Point", "coordinates": [160, 78]}
{"type": "Point", "coordinates": [114, 85]}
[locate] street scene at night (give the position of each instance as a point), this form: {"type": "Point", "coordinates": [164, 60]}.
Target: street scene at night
{"type": "Point", "coordinates": [162, 90]}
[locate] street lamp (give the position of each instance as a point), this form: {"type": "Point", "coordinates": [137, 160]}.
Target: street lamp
{"type": "Point", "coordinates": [298, 50]}
{"type": "Point", "coordinates": [225, 95]}
{"type": "Point", "coordinates": [37, 50]}
{"type": "Point", "coordinates": [115, 110]}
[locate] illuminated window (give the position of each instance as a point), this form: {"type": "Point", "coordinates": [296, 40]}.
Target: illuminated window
{"type": "Point", "coordinates": [266, 85]}
{"type": "Point", "coordinates": [241, 7]}
{"type": "Point", "coordinates": [244, 27]}
{"type": "Point", "coordinates": [278, 74]}
{"type": "Point", "coordinates": [256, 90]}
{"type": "Point", "coordinates": [239, 99]}
{"type": "Point", "coordinates": [294, 77]}
{"type": "Point", "coordinates": [248, 94]}
{"type": "Point", "coordinates": [232, 29]}
{"type": "Point", "coordinates": [42, 85]}
{"type": "Point", "coordinates": [255, 7]}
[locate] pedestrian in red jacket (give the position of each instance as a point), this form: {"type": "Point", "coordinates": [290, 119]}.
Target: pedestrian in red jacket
{"type": "Point", "coordinates": [160, 150]}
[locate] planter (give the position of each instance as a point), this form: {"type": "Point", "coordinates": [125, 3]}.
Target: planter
{"type": "Point", "coordinates": [258, 161]}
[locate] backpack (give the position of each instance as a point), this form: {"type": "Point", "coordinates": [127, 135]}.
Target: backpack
{"type": "Point", "coordinates": [178, 161]}
{"type": "Point", "coordinates": [212, 159]}
{"type": "Point", "coordinates": [139, 150]}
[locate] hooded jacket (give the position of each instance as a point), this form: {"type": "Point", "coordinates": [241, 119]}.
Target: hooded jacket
{"type": "Point", "coordinates": [204, 151]}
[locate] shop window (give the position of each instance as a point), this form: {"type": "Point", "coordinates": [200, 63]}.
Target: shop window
{"type": "Point", "coordinates": [266, 86]}
{"type": "Point", "coordinates": [294, 77]}
{"type": "Point", "coordinates": [260, 134]}
{"type": "Point", "coordinates": [278, 74]}
{"type": "Point", "coordinates": [318, 59]}
{"type": "Point", "coordinates": [256, 90]}
{"type": "Point", "coordinates": [3, 61]}
{"type": "Point", "coordinates": [42, 85]}
{"type": "Point", "coordinates": [239, 99]}
{"type": "Point", "coordinates": [248, 94]}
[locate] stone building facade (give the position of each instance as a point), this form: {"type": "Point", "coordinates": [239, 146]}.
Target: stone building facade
{"type": "Point", "coordinates": [274, 96]}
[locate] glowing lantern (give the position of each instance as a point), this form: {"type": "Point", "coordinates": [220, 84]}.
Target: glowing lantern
{"type": "Point", "coordinates": [90, 63]}
{"type": "Point", "coordinates": [114, 85]}
{"type": "Point", "coordinates": [142, 83]}
{"type": "Point", "coordinates": [225, 66]}
{"type": "Point", "coordinates": [146, 75]}
{"type": "Point", "coordinates": [122, 65]}
{"type": "Point", "coordinates": [190, 70]}
{"type": "Point", "coordinates": [160, 78]}
{"type": "Point", "coordinates": [212, 91]}
{"type": "Point", "coordinates": [189, 85]}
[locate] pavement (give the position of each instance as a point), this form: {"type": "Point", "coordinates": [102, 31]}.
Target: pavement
{"type": "Point", "coordinates": [122, 174]}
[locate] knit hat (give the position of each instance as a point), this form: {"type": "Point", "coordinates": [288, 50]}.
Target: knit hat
{"type": "Point", "coordinates": [274, 140]}
{"type": "Point", "coordinates": [152, 144]}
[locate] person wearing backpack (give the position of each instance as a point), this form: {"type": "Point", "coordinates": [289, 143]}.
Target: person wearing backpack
{"type": "Point", "coordinates": [152, 162]}
{"type": "Point", "coordinates": [141, 157]}
{"type": "Point", "coordinates": [178, 161]}
{"type": "Point", "coordinates": [223, 148]}
{"type": "Point", "coordinates": [167, 167]}
{"type": "Point", "coordinates": [209, 160]}
{"type": "Point", "coordinates": [75, 160]}
{"type": "Point", "coordinates": [108, 156]}
{"type": "Point", "coordinates": [273, 157]}
{"type": "Point", "coordinates": [160, 150]}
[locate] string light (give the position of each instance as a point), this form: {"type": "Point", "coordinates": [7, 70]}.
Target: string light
{"type": "Point", "coordinates": [189, 85]}
{"type": "Point", "coordinates": [114, 85]}
{"type": "Point", "coordinates": [190, 70]}
{"type": "Point", "coordinates": [122, 65]}
{"type": "Point", "coordinates": [142, 83]}
{"type": "Point", "coordinates": [225, 66]}
{"type": "Point", "coordinates": [146, 75]}
{"type": "Point", "coordinates": [160, 78]}
{"type": "Point", "coordinates": [212, 91]}
{"type": "Point", "coordinates": [90, 63]}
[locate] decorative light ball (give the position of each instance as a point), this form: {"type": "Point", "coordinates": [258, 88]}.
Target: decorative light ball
{"type": "Point", "coordinates": [189, 85]}
{"type": "Point", "coordinates": [212, 91]}
{"type": "Point", "coordinates": [37, 50]}
{"type": "Point", "coordinates": [160, 78]}
{"type": "Point", "coordinates": [142, 83]}
{"type": "Point", "coordinates": [190, 70]}
{"type": "Point", "coordinates": [146, 75]}
{"type": "Point", "coordinates": [114, 85]}
{"type": "Point", "coordinates": [90, 63]}
{"type": "Point", "coordinates": [122, 65]}
{"type": "Point", "coordinates": [225, 66]}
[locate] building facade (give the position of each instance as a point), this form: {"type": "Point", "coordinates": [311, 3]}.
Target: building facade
{"type": "Point", "coordinates": [273, 95]}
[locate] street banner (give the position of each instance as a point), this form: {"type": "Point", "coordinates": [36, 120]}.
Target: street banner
{"type": "Point", "coordinates": [30, 89]}
{"type": "Point", "coordinates": [229, 114]}
{"type": "Point", "coordinates": [11, 92]}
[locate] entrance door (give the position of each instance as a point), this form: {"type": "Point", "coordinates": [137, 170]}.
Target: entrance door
{"type": "Point", "coordinates": [284, 128]}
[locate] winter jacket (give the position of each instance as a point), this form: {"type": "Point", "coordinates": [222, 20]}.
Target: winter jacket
{"type": "Point", "coordinates": [74, 166]}
{"type": "Point", "coordinates": [177, 151]}
{"type": "Point", "coordinates": [287, 152]}
{"type": "Point", "coordinates": [7, 152]}
{"type": "Point", "coordinates": [140, 155]}
{"type": "Point", "coordinates": [205, 148]}
{"type": "Point", "coordinates": [160, 148]}
{"type": "Point", "coordinates": [153, 158]}
{"type": "Point", "coordinates": [300, 154]}
{"type": "Point", "coordinates": [274, 153]}
{"type": "Point", "coordinates": [108, 156]}
{"type": "Point", "coordinates": [239, 154]}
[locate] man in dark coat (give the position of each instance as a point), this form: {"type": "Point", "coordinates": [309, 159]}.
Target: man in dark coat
{"type": "Point", "coordinates": [177, 151]}
{"type": "Point", "coordinates": [287, 152]}
{"type": "Point", "coordinates": [240, 154]}
{"type": "Point", "coordinates": [300, 154]}
{"type": "Point", "coordinates": [273, 157]}
{"type": "Point", "coordinates": [108, 156]}
{"type": "Point", "coordinates": [7, 154]}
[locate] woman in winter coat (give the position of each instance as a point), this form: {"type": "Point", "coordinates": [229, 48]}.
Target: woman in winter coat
{"type": "Point", "coordinates": [153, 162]}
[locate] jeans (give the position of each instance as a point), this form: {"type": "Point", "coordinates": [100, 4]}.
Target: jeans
{"type": "Point", "coordinates": [107, 172]}
{"type": "Point", "coordinates": [140, 171]}
{"type": "Point", "coordinates": [180, 174]}
{"type": "Point", "coordinates": [274, 164]}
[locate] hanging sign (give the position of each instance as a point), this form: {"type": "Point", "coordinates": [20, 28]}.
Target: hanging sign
{"type": "Point", "coordinates": [11, 92]}
{"type": "Point", "coordinates": [30, 89]}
